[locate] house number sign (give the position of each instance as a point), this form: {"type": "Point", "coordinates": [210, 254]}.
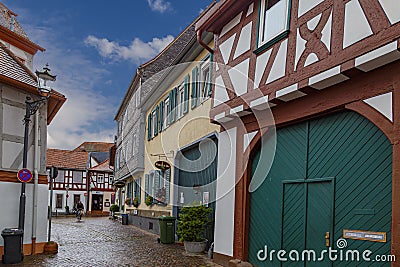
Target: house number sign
{"type": "Point", "coordinates": [365, 235]}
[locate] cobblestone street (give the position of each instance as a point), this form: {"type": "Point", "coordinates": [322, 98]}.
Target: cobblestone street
{"type": "Point", "coordinates": [103, 242]}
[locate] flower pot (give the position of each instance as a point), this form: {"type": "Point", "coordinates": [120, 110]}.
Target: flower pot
{"type": "Point", "coordinates": [195, 247]}
{"type": "Point", "coordinates": [50, 248]}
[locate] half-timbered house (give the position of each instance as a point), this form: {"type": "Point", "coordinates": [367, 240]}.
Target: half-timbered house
{"type": "Point", "coordinates": [84, 175]}
{"type": "Point", "coordinates": [317, 83]}
{"type": "Point", "coordinates": [70, 186]}
{"type": "Point", "coordinates": [101, 193]}
{"type": "Point", "coordinates": [17, 82]}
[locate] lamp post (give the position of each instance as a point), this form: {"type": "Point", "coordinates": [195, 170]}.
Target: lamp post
{"type": "Point", "coordinates": [30, 108]}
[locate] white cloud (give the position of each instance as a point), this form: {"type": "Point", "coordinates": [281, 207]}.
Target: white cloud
{"type": "Point", "coordinates": [137, 52]}
{"type": "Point", "coordinates": [159, 5]}
{"type": "Point", "coordinates": [85, 114]}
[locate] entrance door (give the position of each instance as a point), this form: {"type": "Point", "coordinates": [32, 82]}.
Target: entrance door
{"type": "Point", "coordinates": [295, 207]}
{"type": "Point", "coordinates": [97, 202]}
{"type": "Point", "coordinates": [308, 218]}
{"type": "Point", "coordinates": [77, 198]}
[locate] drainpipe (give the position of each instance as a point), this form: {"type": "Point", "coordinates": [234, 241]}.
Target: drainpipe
{"type": "Point", "coordinates": [35, 183]}
{"type": "Point", "coordinates": [200, 41]}
{"type": "Point", "coordinates": [88, 181]}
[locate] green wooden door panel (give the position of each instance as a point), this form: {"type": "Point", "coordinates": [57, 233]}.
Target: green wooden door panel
{"type": "Point", "coordinates": [319, 218]}
{"type": "Point", "coordinates": [266, 202]}
{"type": "Point", "coordinates": [359, 155]}
{"type": "Point", "coordinates": [345, 146]}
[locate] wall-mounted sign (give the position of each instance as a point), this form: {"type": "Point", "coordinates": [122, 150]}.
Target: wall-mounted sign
{"type": "Point", "coordinates": [24, 175]}
{"type": "Point", "coordinates": [162, 165]}
{"type": "Point", "coordinates": [365, 235]}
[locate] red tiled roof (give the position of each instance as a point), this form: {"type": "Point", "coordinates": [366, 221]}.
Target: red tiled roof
{"type": "Point", "coordinates": [94, 147]}
{"type": "Point", "coordinates": [103, 167]}
{"type": "Point", "coordinates": [66, 159]}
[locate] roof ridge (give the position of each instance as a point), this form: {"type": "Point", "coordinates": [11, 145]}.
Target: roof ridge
{"type": "Point", "coordinates": [193, 23]}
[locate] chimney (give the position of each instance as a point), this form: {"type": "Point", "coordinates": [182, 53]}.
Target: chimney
{"type": "Point", "coordinates": [12, 22]}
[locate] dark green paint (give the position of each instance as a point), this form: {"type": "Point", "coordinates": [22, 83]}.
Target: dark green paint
{"type": "Point", "coordinates": [295, 206]}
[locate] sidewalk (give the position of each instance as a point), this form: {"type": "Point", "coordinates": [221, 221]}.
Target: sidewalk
{"type": "Point", "coordinates": [98, 241]}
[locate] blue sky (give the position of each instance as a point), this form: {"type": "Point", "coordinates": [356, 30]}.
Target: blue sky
{"type": "Point", "coordinates": [94, 48]}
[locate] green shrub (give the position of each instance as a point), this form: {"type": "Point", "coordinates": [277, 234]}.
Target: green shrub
{"type": "Point", "coordinates": [135, 202]}
{"type": "Point", "coordinates": [114, 208]}
{"type": "Point", "coordinates": [192, 223]}
{"type": "Point", "coordinates": [149, 200]}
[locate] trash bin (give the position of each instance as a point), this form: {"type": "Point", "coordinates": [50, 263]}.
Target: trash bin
{"type": "Point", "coordinates": [167, 229]}
{"type": "Point", "coordinates": [124, 218]}
{"type": "Point", "coordinates": [12, 245]}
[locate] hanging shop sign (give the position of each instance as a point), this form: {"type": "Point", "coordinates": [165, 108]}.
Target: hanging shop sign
{"type": "Point", "coordinates": [162, 165]}
{"type": "Point", "coordinates": [365, 235]}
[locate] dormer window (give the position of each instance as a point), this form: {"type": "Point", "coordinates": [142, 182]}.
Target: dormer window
{"type": "Point", "coordinates": [274, 21]}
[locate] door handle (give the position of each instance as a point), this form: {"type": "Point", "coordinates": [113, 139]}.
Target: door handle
{"type": "Point", "coordinates": [327, 240]}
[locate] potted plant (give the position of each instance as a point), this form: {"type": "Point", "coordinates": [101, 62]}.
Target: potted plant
{"type": "Point", "coordinates": [135, 202]}
{"type": "Point", "coordinates": [50, 247]}
{"type": "Point", "coordinates": [128, 201]}
{"type": "Point", "coordinates": [113, 209]}
{"type": "Point", "coordinates": [191, 227]}
{"type": "Point", "coordinates": [149, 201]}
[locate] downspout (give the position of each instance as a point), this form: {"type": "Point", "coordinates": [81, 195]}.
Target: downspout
{"type": "Point", "coordinates": [200, 41]}
{"type": "Point", "coordinates": [88, 181]}
{"type": "Point", "coordinates": [35, 184]}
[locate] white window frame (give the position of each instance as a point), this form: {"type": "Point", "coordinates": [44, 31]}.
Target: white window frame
{"type": "Point", "coordinates": [153, 123]}
{"type": "Point", "coordinates": [205, 78]}
{"type": "Point", "coordinates": [261, 30]}
{"type": "Point", "coordinates": [166, 115]}
{"type": "Point", "coordinates": [180, 99]}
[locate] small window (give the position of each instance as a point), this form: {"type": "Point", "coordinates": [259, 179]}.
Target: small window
{"type": "Point", "coordinates": [77, 177]}
{"type": "Point", "coordinates": [274, 20]}
{"type": "Point", "coordinates": [100, 178]}
{"type": "Point", "coordinates": [59, 201]}
{"type": "Point", "coordinates": [154, 123]}
{"type": "Point", "coordinates": [180, 100]}
{"type": "Point", "coordinates": [204, 82]}
{"type": "Point", "coordinates": [166, 112]}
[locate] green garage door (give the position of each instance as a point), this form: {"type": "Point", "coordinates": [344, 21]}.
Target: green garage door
{"type": "Point", "coordinates": [328, 174]}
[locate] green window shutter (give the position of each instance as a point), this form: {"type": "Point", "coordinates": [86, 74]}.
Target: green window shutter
{"type": "Point", "coordinates": [186, 95]}
{"type": "Point", "coordinates": [146, 185]}
{"type": "Point", "coordinates": [157, 121]}
{"type": "Point", "coordinates": [171, 116]}
{"type": "Point", "coordinates": [194, 87]}
{"type": "Point", "coordinates": [149, 127]}
{"type": "Point", "coordinates": [139, 188]}
{"type": "Point", "coordinates": [167, 181]}
{"type": "Point", "coordinates": [172, 103]}
{"type": "Point", "coordinates": [210, 84]}
{"type": "Point", "coordinates": [168, 115]}
{"type": "Point", "coordinates": [160, 128]}
{"type": "Point", "coordinates": [156, 184]}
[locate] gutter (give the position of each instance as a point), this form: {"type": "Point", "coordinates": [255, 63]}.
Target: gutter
{"type": "Point", "coordinates": [200, 41]}
{"type": "Point", "coordinates": [35, 184]}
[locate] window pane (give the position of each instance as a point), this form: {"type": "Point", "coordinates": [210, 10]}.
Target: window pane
{"type": "Point", "coordinates": [275, 19]}
{"type": "Point", "coordinates": [60, 176]}
{"type": "Point", "coordinates": [59, 198]}
{"type": "Point", "coordinates": [77, 177]}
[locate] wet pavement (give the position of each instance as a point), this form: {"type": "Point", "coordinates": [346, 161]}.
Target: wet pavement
{"type": "Point", "coordinates": [104, 242]}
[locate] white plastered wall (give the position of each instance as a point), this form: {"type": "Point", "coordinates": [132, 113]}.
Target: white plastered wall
{"type": "Point", "coordinates": [10, 193]}
{"type": "Point", "coordinates": [225, 205]}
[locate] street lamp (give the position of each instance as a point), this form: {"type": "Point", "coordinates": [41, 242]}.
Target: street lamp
{"type": "Point", "coordinates": [31, 107]}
